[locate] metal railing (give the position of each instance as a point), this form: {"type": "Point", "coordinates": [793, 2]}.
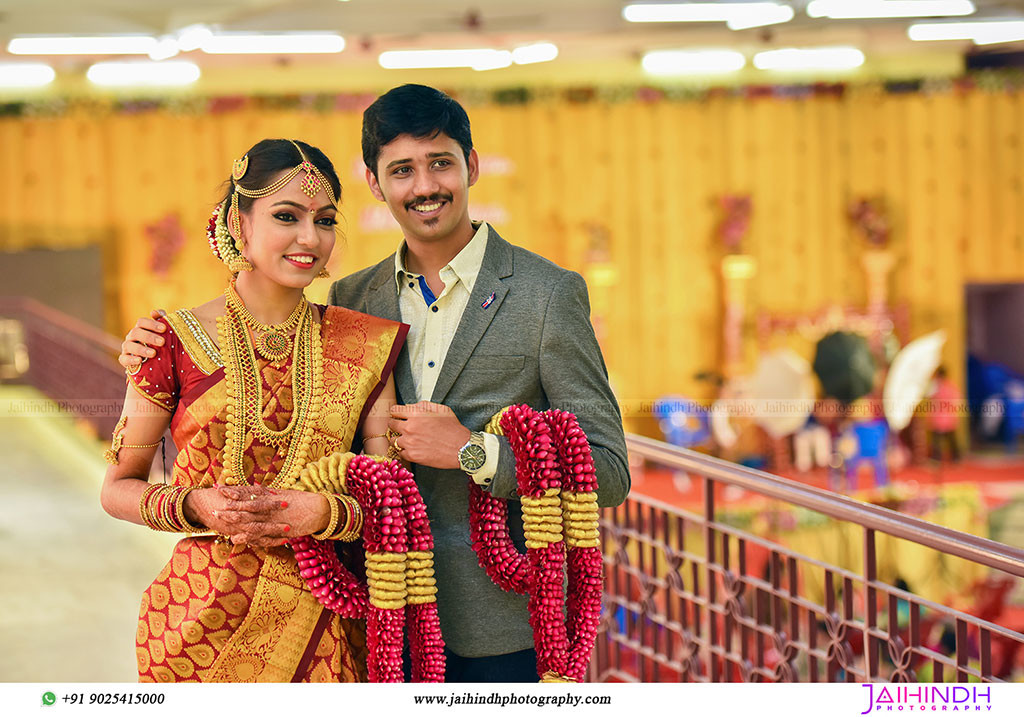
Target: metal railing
{"type": "Point", "coordinates": [678, 612]}
{"type": "Point", "coordinates": [70, 361]}
{"type": "Point", "coordinates": [675, 611]}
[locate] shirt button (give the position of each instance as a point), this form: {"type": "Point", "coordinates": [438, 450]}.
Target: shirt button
{"type": "Point", "coordinates": [434, 308]}
{"type": "Point", "coordinates": [412, 285]}
{"type": "Point", "coordinates": [430, 364]}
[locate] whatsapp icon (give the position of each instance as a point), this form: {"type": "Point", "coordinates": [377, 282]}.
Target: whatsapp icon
{"type": "Point", "coordinates": [49, 698]}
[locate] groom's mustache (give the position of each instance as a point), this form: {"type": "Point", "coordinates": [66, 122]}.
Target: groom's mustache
{"type": "Point", "coordinates": [424, 200]}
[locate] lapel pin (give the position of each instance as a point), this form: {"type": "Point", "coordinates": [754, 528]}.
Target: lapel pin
{"type": "Point", "coordinates": [488, 302]}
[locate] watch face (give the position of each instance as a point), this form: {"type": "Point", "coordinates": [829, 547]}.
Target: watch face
{"type": "Point", "coordinates": [472, 457]}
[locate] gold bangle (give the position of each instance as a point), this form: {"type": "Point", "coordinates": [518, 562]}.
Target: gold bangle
{"type": "Point", "coordinates": [144, 513]}
{"type": "Point", "coordinates": [332, 523]}
{"type": "Point", "coordinates": [353, 520]}
{"type": "Point", "coordinates": [179, 514]}
{"type": "Point", "coordinates": [345, 524]}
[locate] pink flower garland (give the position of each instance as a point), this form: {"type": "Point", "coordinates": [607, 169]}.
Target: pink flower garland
{"type": "Point", "coordinates": [488, 529]}
{"type": "Point", "coordinates": [537, 471]}
{"type": "Point", "coordinates": [331, 583]}
{"type": "Point", "coordinates": [585, 565]}
{"type": "Point", "coordinates": [371, 483]}
{"type": "Point", "coordinates": [395, 521]}
{"type": "Point", "coordinates": [551, 452]}
{"type": "Point", "coordinates": [426, 647]}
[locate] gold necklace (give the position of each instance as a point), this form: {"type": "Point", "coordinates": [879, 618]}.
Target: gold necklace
{"type": "Point", "coordinates": [272, 340]}
{"type": "Point", "coordinates": [244, 388]}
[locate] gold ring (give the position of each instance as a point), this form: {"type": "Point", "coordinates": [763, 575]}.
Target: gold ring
{"type": "Point", "coordinates": [393, 437]}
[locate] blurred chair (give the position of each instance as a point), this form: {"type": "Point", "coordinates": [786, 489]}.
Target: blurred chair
{"type": "Point", "coordinates": [866, 441]}
{"type": "Point", "coordinates": [1013, 426]}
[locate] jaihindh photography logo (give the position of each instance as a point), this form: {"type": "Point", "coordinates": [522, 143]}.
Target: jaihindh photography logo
{"type": "Point", "coordinates": [929, 698]}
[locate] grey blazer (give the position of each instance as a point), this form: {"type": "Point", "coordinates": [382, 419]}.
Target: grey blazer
{"type": "Point", "coordinates": [532, 343]}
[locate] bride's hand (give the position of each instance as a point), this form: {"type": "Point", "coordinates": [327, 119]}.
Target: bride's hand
{"type": "Point", "coordinates": [265, 518]}
{"type": "Point", "coordinates": [218, 511]}
{"type": "Point", "coordinates": [247, 514]}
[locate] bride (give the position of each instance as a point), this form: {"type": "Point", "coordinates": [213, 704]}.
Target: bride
{"type": "Point", "coordinates": [254, 385]}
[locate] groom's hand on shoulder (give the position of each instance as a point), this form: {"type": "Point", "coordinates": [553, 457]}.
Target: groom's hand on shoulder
{"type": "Point", "coordinates": [429, 434]}
{"type": "Point", "coordinates": [136, 345]}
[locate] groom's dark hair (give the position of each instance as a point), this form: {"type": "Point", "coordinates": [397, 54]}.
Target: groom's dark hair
{"type": "Point", "coordinates": [416, 110]}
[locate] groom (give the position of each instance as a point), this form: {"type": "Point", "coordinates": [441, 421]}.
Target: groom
{"type": "Point", "coordinates": [491, 325]}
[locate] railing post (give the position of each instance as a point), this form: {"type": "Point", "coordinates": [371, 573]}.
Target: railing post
{"type": "Point", "coordinates": [710, 554]}
{"type": "Point", "coordinates": [870, 605]}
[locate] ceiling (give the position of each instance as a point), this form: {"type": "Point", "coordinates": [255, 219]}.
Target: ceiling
{"type": "Point", "coordinates": [595, 43]}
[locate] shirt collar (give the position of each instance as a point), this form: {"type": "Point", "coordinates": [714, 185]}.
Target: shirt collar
{"type": "Point", "coordinates": [466, 264]}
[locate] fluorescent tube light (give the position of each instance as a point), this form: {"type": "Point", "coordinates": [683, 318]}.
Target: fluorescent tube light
{"type": "Point", "coordinates": [166, 47]}
{"type": "Point", "coordinates": [192, 37]}
{"type": "Point", "coordinates": [769, 15]}
{"type": "Point", "coordinates": [692, 62]}
{"type": "Point", "coordinates": [25, 74]}
{"type": "Point", "coordinates": [538, 52]}
{"type": "Point", "coordinates": [811, 58]}
{"type": "Point", "coordinates": [982, 32]}
{"type": "Point", "coordinates": [1006, 32]}
{"type": "Point", "coordinates": [58, 45]}
{"type": "Point", "coordinates": [863, 9]}
{"type": "Point", "coordinates": [478, 59]}
{"type": "Point", "coordinates": [695, 11]}
{"type": "Point", "coordinates": [273, 44]}
{"type": "Point", "coordinates": [143, 72]}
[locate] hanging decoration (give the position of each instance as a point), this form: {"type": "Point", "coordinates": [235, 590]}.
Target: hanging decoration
{"type": "Point", "coordinates": [987, 80]}
{"type": "Point", "coordinates": [166, 238]}
{"type": "Point", "coordinates": [871, 218]}
{"type": "Point", "coordinates": [735, 221]}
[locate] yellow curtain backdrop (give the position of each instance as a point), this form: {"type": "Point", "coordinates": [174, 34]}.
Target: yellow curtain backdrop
{"type": "Point", "coordinates": [623, 192]}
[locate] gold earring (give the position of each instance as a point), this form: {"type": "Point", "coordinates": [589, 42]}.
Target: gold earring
{"type": "Point", "coordinates": [324, 274]}
{"type": "Point", "coordinates": [239, 263]}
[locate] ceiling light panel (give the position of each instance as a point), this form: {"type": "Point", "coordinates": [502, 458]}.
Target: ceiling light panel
{"type": "Point", "coordinates": [67, 45]}
{"type": "Point", "coordinates": [272, 44]}
{"type": "Point", "coordinates": [866, 9]}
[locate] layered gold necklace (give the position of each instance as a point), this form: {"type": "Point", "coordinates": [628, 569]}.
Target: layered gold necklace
{"type": "Point", "coordinates": [244, 387]}
{"type": "Point", "coordinates": [272, 340]}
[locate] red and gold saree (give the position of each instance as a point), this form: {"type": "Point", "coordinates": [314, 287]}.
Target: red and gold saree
{"type": "Point", "coordinates": [219, 612]}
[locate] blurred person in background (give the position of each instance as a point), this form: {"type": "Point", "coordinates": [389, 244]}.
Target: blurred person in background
{"type": "Point", "coordinates": [945, 400]}
{"type": "Point", "coordinates": [254, 385]}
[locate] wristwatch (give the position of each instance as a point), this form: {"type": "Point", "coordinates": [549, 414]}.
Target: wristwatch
{"type": "Point", "coordinates": [472, 456]}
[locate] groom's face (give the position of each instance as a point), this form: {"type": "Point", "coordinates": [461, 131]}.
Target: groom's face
{"type": "Point", "coordinates": [425, 183]}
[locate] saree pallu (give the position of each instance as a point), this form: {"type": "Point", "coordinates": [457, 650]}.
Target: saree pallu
{"type": "Point", "coordinates": [219, 612]}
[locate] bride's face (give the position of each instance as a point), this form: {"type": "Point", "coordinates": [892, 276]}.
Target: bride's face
{"type": "Point", "coordinates": [288, 236]}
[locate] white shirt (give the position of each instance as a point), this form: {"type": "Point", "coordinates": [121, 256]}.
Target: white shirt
{"type": "Point", "coordinates": [433, 322]}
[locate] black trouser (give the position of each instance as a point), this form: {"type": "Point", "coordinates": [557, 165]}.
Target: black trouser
{"type": "Point", "coordinates": [514, 667]}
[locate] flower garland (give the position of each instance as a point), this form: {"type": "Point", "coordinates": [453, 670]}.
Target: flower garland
{"type": "Point", "coordinates": [557, 483]}
{"type": "Point", "coordinates": [400, 590]}
{"type": "Point", "coordinates": [372, 484]}
{"type": "Point", "coordinates": [582, 539]}
{"type": "Point", "coordinates": [422, 622]}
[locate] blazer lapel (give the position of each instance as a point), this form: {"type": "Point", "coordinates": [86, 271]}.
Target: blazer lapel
{"type": "Point", "coordinates": [382, 301]}
{"type": "Point", "coordinates": [480, 310]}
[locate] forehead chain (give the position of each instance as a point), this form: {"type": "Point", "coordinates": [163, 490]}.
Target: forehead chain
{"type": "Point", "coordinates": [311, 185]}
